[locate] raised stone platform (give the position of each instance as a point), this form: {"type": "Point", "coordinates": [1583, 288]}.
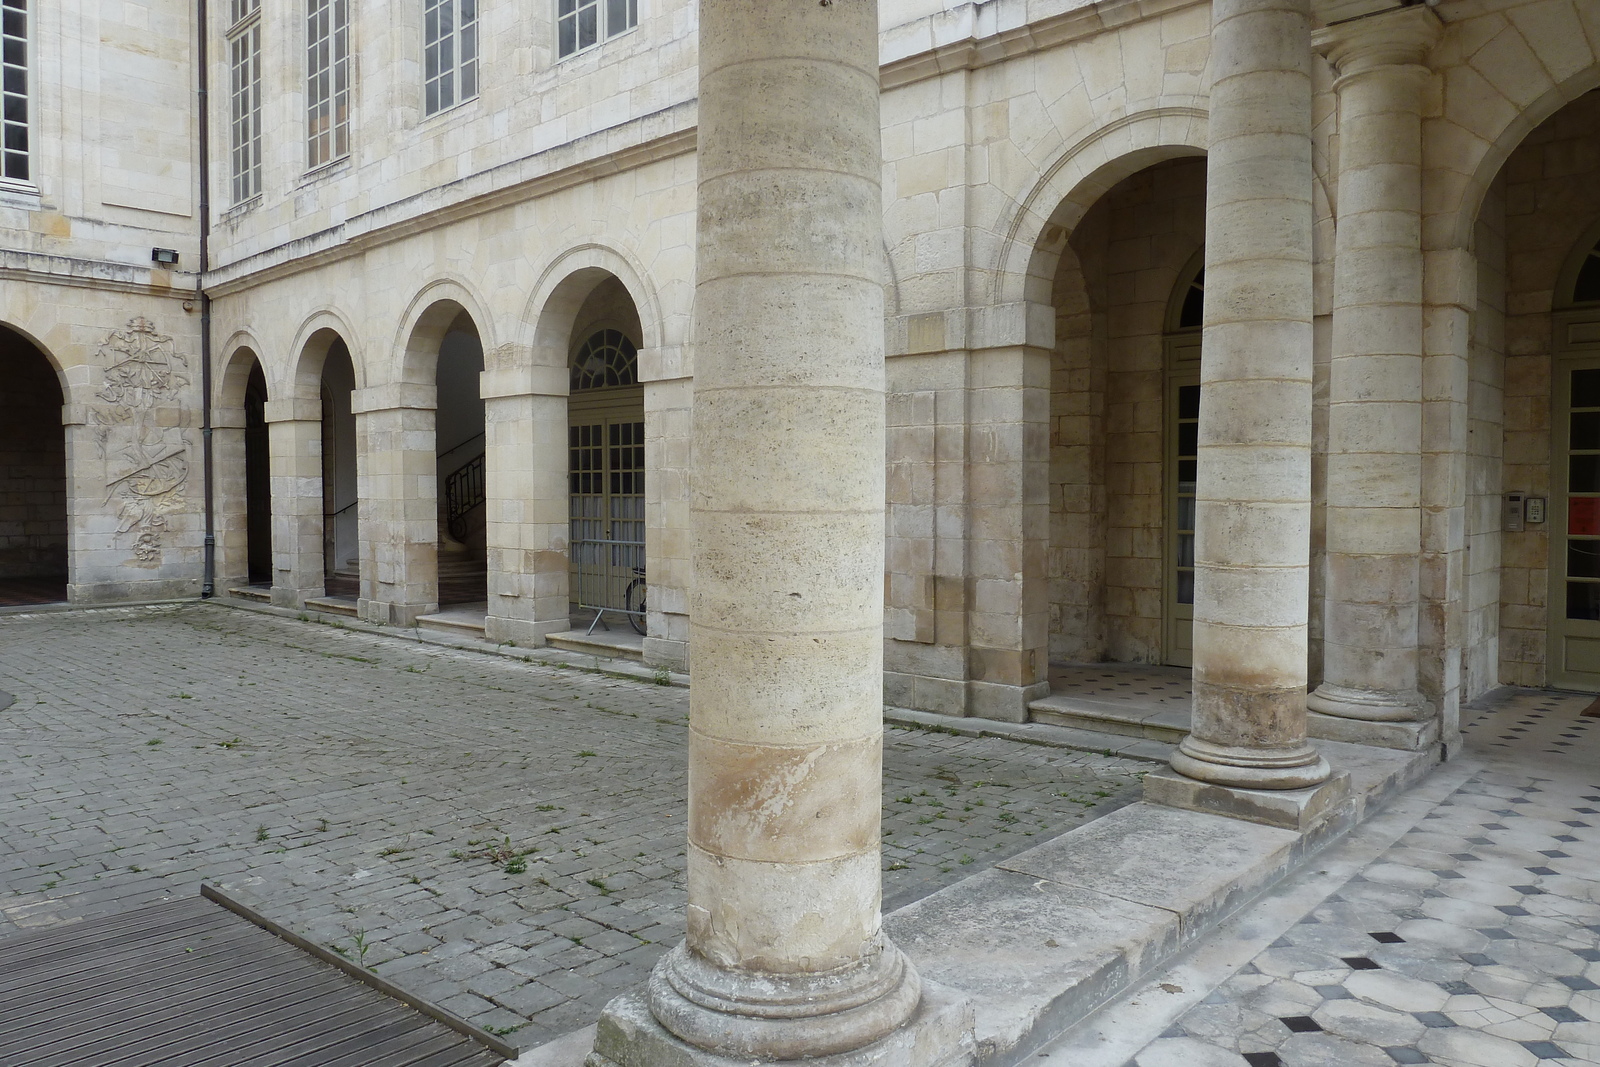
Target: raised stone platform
{"type": "Point", "coordinates": [1137, 700]}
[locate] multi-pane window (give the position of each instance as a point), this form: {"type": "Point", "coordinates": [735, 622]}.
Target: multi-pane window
{"type": "Point", "coordinates": [450, 52]}
{"type": "Point", "coordinates": [582, 24]}
{"type": "Point", "coordinates": [14, 50]}
{"type": "Point", "coordinates": [327, 81]}
{"type": "Point", "coordinates": [244, 98]}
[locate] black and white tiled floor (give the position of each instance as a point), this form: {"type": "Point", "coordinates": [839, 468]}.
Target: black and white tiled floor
{"type": "Point", "coordinates": [1471, 940]}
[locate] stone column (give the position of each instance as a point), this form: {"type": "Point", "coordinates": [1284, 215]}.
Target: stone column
{"type": "Point", "coordinates": [525, 412]}
{"type": "Point", "coordinates": [785, 955]}
{"type": "Point", "coordinates": [1253, 500]}
{"type": "Point", "coordinates": [232, 498]}
{"type": "Point", "coordinates": [1374, 516]}
{"type": "Point", "coordinates": [397, 483]}
{"type": "Point", "coordinates": [294, 443]}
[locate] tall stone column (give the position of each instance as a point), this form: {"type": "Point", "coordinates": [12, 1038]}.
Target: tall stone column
{"type": "Point", "coordinates": [398, 484]}
{"type": "Point", "coordinates": [294, 446]}
{"type": "Point", "coordinates": [785, 955]}
{"type": "Point", "coordinates": [1253, 500]}
{"type": "Point", "coordinates": [525, 411]}
{"type": "Point", "coordinates": [1370, 644]}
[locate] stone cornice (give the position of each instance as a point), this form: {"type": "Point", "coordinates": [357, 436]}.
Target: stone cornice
{"type": "Point", "coordinates": [976, 49]}
{"type": "Point", "coordinates": [1401, 37]}
{"type": "Point", "coordinates": [38, 268]}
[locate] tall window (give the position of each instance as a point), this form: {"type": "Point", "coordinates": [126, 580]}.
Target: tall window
{"type": "Point", "coordinates": [244, 98]}
{"type": "Point", "coordinates": [450, 52]}
{"type": "Point", "coordinates": [14, 47]}
{"type": "Point", "coordinates": [327, 81]}
{"type": "Point", "coordinates": [582, 24]}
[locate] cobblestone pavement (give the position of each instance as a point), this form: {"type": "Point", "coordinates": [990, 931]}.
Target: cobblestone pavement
{"type": "Point", "coordinates": [502, 838]}
{"type": "Point", "coordinates": [1470, 938]}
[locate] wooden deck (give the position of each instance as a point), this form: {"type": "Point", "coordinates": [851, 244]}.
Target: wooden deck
{"type": "Point", "coordinates": [187, 983]}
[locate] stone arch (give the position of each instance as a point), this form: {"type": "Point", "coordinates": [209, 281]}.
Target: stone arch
{"type": "Point", "coordinates": [311, 345]}
{"type": "Point", "coordinates": [50, 357]}
{"type": "Point", "coordinates": [430, 315]}
{"type": "Point", "coordinates": [1586, 246]}
{"type": "Point", "coordinates": [1502, 93]}
{"type": "Point", "coordinates": [564, 286]}
{"type": "Point", "coordinates": [1036, 231]}
{"type": "Point", "coordinates": [239, 352]}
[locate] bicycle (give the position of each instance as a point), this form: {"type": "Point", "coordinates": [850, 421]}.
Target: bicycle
{"type": "Point", "coordinates": [633, 600]}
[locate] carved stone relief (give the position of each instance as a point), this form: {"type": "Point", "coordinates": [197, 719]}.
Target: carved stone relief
{"type": "Point", "coordinates": [147, 461]}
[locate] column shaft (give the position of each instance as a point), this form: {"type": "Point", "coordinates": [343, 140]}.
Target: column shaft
{"type": "Point", "coordinates": [526, 533]}
{"type": "Point", "coordinates": [785, 956]}
{"type": "Point", "coordinates": [1253, 505]}
{"type": "Point", "coordinates": [1374, 517]}
{"type": "Point", "coordinates": [398, 484]}
{"type": "Point", "coordinates": [294, 444]}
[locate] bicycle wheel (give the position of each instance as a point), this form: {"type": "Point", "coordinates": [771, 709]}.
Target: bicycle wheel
{"type": "Point", "coordinates": [633, 600]}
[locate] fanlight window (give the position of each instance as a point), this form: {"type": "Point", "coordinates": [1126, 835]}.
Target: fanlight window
{"type": "Point", "coordinates": [606, 360]}
{"type": "Point", "coordinates": [1587, 288]}
{"type": "Point", "coordinates": [1192, 313]}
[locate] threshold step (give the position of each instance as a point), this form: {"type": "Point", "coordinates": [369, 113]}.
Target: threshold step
{"type": "Point", "coordinates": [332, 605]}
{"type": "Point", "coordinates": [606, 644]}
{"type": "Point", "coordinates": [261, 594]}
{"type": "Point", "coordinates": [463, 623]}
{"type": "Point", "coordinates": [1065, 709]}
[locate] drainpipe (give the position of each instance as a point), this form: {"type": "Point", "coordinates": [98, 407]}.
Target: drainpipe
{"type": "Point", "coordinates": [208, 587]}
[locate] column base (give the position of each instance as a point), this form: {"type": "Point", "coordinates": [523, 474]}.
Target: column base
{"type": "Point", "coordinates": [1291, 809]}
{"type": "Point", "coordinates": [289, 597]}
{"type": "Point", "coordinates": [388, 613]}
{"type": "Point", "coordinates": [938, 1034]}
{"type": "Point", "coordinates": [1411, 736]}
{"type": "Point", "coordinates": [1366, 705]}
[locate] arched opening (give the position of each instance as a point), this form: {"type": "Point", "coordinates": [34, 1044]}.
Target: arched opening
{"type": "Point", "coordinates": [606, 463]}
{"type": "Point", "coordinates": [341, 520]}
{"type": "Point", "coordinates": [1532, 615]}
{"type": "Point", "coordinates": [1123, 420]}
{"type": "Point", "coordinates": [459, 450]}
{"type": "Point", "coordinates": [33, 477]}
{"type": "Point", "coordinates": [257, 481]}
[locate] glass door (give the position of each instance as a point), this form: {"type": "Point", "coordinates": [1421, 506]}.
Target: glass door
{"type": "Point", "coordinates": [1183, 431]}
{"type": "Point", "coordinates": [1575, 531]}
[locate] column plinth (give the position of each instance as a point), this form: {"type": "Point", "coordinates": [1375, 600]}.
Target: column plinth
{"type": "Point", "coordinates": [1374, 473]}
{"type": "Point", "coordinates": [1253, 491]}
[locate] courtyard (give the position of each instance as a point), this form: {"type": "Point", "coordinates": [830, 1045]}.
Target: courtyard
{"type": "Point", "coordinates": [502, 838]}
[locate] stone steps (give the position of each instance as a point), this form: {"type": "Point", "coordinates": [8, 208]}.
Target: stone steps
{"type": "Point", "coordinates": [1103, 717]}
{"type": "Point", "coordinates": [605, 644]}
{"type": "Point", "coordinates": [463, 623]}
{"type": "Point", "coordinates": [332, 605]}
{"type": "Point", "coordinates": [257, 593]}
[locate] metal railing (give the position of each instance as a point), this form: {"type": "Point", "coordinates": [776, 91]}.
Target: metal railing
{"type": "Point", "coordinates": [608, 576]}
{"type": "Point", "coordinates": [463, 491]}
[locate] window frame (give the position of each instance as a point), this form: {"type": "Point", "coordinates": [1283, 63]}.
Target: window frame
{"type": "Point", "coordinates": [603, 29]}
{"type": "Point", "coordinates": [245, 31]}
{"type": "Point", "coordinates": [462, 73]}
{"type": "Point", "coordinates": [327, 116]}
{"type": "Point", "coordinates": [28, 153]}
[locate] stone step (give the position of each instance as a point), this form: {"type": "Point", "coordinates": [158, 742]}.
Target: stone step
{"type": "Point", "coordinates": [1164, 724]}
{"type": "Point", "coordinates": [261, 594]}
{"type": "Point", "coordinates": [332, 605]}
{"type": "Point", "coordinates": [461, 623]}
{"type": "Point", "coordinates": [606, 644]}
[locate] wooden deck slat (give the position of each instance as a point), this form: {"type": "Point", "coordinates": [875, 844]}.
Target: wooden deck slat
{"type": "Point", "coordinates": [97, 1012]}
{"type": "Point", "coordinates": [189, 984]}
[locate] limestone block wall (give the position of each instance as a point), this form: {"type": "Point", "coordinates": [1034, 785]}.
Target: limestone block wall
{"type": "Point", "coordinates": [1487, 579]}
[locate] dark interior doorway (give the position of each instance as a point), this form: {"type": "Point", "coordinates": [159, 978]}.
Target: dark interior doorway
{"type": "Point", "coordinates": [257, 480]}
{"type": "Point", "coordinates": [33, 477]}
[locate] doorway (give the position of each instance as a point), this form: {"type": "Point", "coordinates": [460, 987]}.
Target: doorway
{"type": "Point", "coordinates": [605, 480]}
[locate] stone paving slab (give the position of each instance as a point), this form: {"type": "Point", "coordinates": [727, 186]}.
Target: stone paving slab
{"type": "Point", "coordinates": [502, 838]}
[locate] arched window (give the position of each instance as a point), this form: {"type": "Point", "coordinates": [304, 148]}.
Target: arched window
{"type": "Point", "coordinates": [1586, 290]}
{"type": "Point", "coordinates": [606, 360]}
{"type": "Point", "coordinates": [1192, 311]}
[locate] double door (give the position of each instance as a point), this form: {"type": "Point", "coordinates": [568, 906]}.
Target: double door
{"type": "Point", "coordinates": [605, 495]}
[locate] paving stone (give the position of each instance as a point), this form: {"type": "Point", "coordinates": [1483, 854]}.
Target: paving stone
{"type": "Point", "coordinates": [345, 783]}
